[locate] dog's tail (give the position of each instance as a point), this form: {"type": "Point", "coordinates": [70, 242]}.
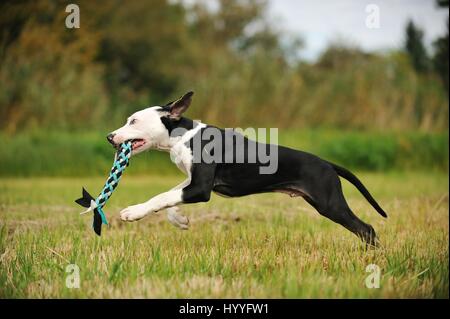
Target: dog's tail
{"type": "Point", "coordinates": [359, 185]}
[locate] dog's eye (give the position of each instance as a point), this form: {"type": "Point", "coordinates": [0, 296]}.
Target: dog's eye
{"type": "Point", "coordinates": [133, 121]}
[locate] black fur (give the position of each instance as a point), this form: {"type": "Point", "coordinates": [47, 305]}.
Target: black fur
{"type": "Point", "coordinates": [173, 124]}
{"type": "Point", "coordinates": [299, 174]}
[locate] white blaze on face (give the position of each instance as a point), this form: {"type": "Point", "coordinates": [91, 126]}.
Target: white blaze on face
{"type": "Point", "coordinates": [144, 129]}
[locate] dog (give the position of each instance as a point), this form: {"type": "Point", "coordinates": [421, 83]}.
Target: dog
{"type": "Point", "coordinates": [297, 173]}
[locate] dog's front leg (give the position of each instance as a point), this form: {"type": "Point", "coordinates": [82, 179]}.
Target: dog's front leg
{"type": "Point", "coordinates": [173, 213]}
{"type": "Point", "coordinates": [177, 219]}
{"type": "Point", "coordinates": [198, 190]}
{"type": "Point", "coordinates": [157, 203]}
{"type": "Point", "coordinates": [162, 201]}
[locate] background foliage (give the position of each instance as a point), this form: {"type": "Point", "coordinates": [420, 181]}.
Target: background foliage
{"type": "Point", "coordinates": [62, 90]}
{"type": "Point", "coordinates": [244, 70]}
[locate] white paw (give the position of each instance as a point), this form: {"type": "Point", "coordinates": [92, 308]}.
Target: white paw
{"type": "Point", "coordinates": [176, 219]}
{"type": "Point", "coordinates": [133, 213]}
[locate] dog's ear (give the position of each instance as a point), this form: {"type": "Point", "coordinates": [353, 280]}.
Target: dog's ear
{"type": "Point", "coordinates": [178, 107]}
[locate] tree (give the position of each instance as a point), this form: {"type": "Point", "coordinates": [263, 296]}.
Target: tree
{"type": "Point", "coordinates": [415, 48]}
{"type": "Point", "coordinates": [440, 58]}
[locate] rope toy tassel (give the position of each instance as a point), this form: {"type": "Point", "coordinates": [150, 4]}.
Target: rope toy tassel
{"type": "Point", "coordinates": [121, 161]}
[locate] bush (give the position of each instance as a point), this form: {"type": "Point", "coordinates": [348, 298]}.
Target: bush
{"type": "Point", "coordinates": [69, 154]}
{"type": "Point", "coordinates": [387, 151]}
{"type": "Point", "coordinates": [87, 154]}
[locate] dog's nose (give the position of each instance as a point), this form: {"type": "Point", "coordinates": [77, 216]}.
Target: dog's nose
{"type": "Point", "coordinates": [110, 138]}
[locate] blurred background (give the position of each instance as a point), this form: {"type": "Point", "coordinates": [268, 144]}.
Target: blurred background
{"type": "Point", "coordinates": [369, 99]}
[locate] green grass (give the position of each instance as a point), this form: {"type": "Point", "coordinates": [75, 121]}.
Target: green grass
{"type": "Point", "coordinates": [88, 153]}
{"type": "Point", "coordinates": [258, 246]}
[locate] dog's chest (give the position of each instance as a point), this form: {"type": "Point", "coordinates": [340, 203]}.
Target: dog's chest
{"type": "Point", "coordinates": [182, 156]}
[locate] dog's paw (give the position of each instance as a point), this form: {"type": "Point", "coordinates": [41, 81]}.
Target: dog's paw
{"type": "Point", "coordinates": [176, 219]}
{"type": "Point", "coordinates": [133, 213]}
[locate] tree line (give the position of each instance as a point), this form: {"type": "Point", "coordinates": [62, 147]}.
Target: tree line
{"type": "Point", "coordinates": [244, 70]}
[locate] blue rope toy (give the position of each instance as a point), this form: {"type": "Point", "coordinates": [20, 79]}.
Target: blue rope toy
{"type": "Point", "coordinates": [121, 161]}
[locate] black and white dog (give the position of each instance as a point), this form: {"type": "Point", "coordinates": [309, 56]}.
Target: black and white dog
{"type": "Point", "coordinates": [232, 173]}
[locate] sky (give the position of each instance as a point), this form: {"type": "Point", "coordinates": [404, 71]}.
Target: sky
{"type": "Point", "coordinates": [323, 21]}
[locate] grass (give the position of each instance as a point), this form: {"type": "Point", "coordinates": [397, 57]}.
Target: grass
{"type": "Point", "coordinates": [259, 246]}
{"type": "Point", "coordinates": [87, 153]}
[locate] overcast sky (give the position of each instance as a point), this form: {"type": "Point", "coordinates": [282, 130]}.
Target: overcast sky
{"type": "Point", "coordinates": [322, 21]}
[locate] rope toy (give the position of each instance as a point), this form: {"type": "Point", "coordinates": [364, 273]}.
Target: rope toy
{"type": "Point", "coordinates": [121, 161]}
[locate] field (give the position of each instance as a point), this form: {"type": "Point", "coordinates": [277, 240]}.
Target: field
{"type": "Point", "coordinates": [258, 246]}
{"type": "Point", "coordinates": [379, 110]}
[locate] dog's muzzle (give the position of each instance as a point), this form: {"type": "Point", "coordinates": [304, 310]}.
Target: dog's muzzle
{"type": "Point", "coordinates": [110, 138]}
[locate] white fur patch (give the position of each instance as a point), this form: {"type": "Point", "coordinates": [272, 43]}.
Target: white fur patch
{"type": "Point", "coordinates": [147, 125]}
{"type": "Point", "coordinates": [180, 153]}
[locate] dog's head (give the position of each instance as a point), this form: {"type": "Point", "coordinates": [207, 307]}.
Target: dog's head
{"type": "Point", "coordinates": [146, 130]}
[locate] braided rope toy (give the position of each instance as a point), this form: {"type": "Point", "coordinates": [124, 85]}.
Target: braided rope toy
{"type": "Point", "coordinates": [121, 161]}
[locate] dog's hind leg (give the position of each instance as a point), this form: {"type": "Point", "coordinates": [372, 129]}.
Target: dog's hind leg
{"type": "Point", "coordinates": [333, 205]}
{"type": "Point", "coordinates": [344, 216]}
{"type": "Point", "coordinates": [177, 219]}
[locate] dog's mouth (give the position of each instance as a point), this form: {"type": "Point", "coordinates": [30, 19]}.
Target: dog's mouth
{"type": "Point", "coordinates": [136, 144]}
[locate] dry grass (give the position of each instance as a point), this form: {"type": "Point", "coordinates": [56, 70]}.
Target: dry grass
{"type": "Point", "coordinates": [258, 246]}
